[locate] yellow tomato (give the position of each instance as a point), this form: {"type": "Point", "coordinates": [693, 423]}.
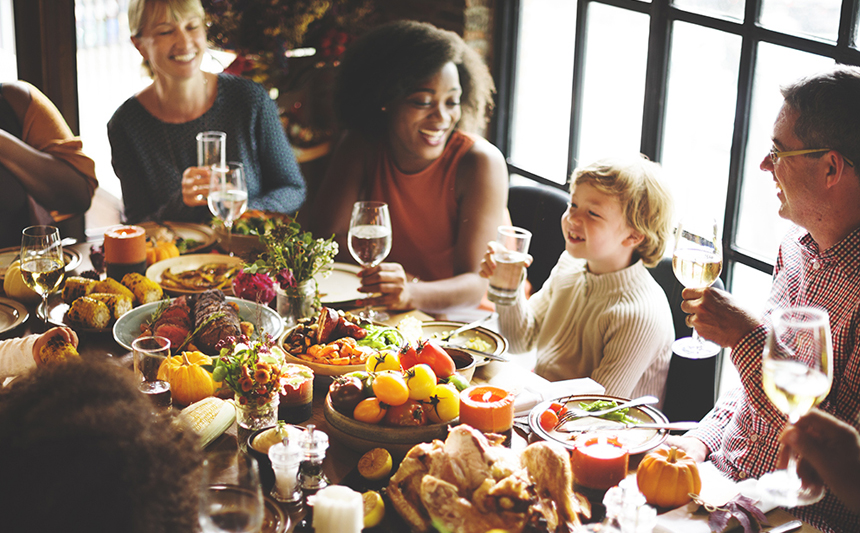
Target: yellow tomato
{"type": "Point", "coordinates": [444, 403]}
{"type": "Point", "coordinates": [390, 388]}
{"type": "Point", "coordinates": [369, 410]}
{"type": "Point", "coordinates": [383, 360]}
{"type": "Point", "coordinates": [421, 382]}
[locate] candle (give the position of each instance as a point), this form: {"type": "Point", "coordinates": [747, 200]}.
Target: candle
{"type": "Point", "coordinates": [599, 462]}
{"type": "Point", "coordinates": [338, 509]}
{"type": "Point", "coordinates": [488, 409]}
{"type": "Point", "coordinates": [125, 251]}
{"type": "Point", "coordinates": [296, 402]}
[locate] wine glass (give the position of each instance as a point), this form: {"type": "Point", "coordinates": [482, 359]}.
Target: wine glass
{"type": "Point", "coordinates": [149, 353]}
{"type": "Point", "coordinates": [697, 262]}
{"type": "Point", "coordinates": [42, 264]}
{"type": "Point", "coordinates": [797, 370]}
{"type": "Point", "coordinates": [231, 497]}
{"type": "Point", "coordinates": [370, 241]}
{"type": "Point", "coordinates": [228, 196]}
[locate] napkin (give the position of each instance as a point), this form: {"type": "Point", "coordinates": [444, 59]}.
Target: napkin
{"type": "Point", "coordinates": [536, 389]}
{"type": "Point", "coordinates": [716, 488]}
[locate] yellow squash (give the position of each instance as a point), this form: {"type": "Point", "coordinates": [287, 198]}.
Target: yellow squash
{"type": "Point", "coordinates": [667, 477]}
{"type": "Point", "coordinates": [14, 286]}
{"type": "Point", "coordinates": [189, 382]}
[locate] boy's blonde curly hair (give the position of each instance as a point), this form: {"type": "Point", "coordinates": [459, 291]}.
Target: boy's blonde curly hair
{"type": "Point", "coordinates": [647, 204]}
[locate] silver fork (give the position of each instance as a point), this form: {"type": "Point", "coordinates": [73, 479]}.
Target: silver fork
{"type": "Point", "coordinates": [574, 414]}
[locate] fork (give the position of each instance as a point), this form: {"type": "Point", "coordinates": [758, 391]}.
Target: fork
{"type": "Point", "coordinates": [573, 414]}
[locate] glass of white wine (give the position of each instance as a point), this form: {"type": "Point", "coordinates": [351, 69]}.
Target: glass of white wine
{"type": "Point", "coordinates": [228, 196]}
{"type": "Point", "coordinates": [697, 262]}
{"type": "Point", "coordinates": [369, 241]}
{"type": "Point", "coordinates": [797, 370]}
{"type": "Point", "coordinates": [43, 266]}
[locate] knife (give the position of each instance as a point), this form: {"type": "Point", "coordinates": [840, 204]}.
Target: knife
{"type": "Point", "coordinates": [669, 426]}
{"type": "Point", "coordinates": [466, 327]}
{"type": "Point", "coordinates": [786, 527]}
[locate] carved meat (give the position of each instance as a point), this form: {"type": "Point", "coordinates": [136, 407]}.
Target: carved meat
{"type": "Point", "coordinates": [226, 325]}
{"type": "Point", "coordinates": [549, 465]}
{"type": "Point", "coordinates": [456, 513]}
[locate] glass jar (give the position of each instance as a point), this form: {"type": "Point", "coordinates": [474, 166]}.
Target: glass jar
{"type": "Point", "coordinates": [297, 302]}
{"type": "Point", "coordinates": [251, 417]}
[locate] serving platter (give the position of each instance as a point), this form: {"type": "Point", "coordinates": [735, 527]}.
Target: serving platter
{"type": "Point", "coordinates": [12, 314]}
{"type": "Point", "coordinates": [204, 236]}
{"type": "Point", "coordinates": [265, 320]}
{"type": "Point", "coordinates": [438, 328]}
{"type": "Point", "coordinates": [184, 263]}
{"type": "Point", "coordinates": [338, 286]}
{"type": "Point", "coordinates": [636, 440]}
{"type": "Point", "coordinates": [9, 255]}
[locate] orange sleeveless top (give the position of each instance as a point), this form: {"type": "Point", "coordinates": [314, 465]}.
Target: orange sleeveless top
{"type": "Point", "coordinates": [423, 208]}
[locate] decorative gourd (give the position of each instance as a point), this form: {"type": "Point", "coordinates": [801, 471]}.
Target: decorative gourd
{"type": "Point", "coordinates": [189, 382]}
{"type": "Point", "coordinates": [15, 287]}
{"type": "Point", "coordinates": [158, 251]}
{"type": "Point", "coordinates": [667, 477]}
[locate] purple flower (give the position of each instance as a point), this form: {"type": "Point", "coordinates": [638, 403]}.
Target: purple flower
{"type": "Point", "coordinates": [255, 287]}
{"type": "Point", "coordinates": [285, 279]}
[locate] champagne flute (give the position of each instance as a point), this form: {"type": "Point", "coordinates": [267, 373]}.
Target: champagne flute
{"type": "Point", "coordinates": [697, 262]}
{"type": "Point", "coordinates": [228, 196]}
{"type": "Point", "coordinates": [42, 264]}
{"type": "Point", "coordinates": [369, 241]}
{"type": "Point", "coordinates": [231, 497]}
{"type": "Point", "coordinates": [797, 370]}
{"type": "Point", "coordinates": [211, 150]}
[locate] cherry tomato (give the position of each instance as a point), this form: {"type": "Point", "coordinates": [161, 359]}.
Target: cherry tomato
{"type": "Point", "coordinates": [408, 357]}
{"type": "Point", "coordinates": [430, 353]}
{"type": "Point", "coordinates": [558, 409]}
{"type": "Point", "coordinates": [548, 419]}
{"type": "Point", "coordinates": [408, 414]}
{"type": "Point", "coordinates": [345, 393]}
{"type": "Point", "coordinates": [383, 360]}
{"type": "Point", "coordinates": [370, 410]}
{"type": "Point", "coordinates": [444, 403]}
{"type": "Point", "coordinates": [390, 388]}
{"type": "Point", "coordinates": [421, 381]}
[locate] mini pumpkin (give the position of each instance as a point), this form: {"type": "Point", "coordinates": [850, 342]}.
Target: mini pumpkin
{"type": "Point", "coordinates": [14, 286]}
{"type": "Point", "coordinates": [666, 477]}
{"type": "Point", "coordinates": [189, 382]}
{"type": "Point", "coordinates": [158, 251]}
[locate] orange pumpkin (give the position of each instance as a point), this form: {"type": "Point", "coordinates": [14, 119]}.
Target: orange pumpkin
{"type": "Point", "coordinates": [189, 382]}
{"type": "Point", "coordinates": [667, 477]}
{"type": "Point", "coordinates": [158, 251]}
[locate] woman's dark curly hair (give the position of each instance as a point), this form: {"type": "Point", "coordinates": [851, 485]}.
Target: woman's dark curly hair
{"type": "Point", "coordinates": [391, 60]}
{"type": "Point", "coordinates": [79, 449]}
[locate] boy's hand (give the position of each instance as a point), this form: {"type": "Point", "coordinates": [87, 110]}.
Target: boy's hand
{"type": "Point", "coordinates": [66, 333]}
{"type": "Point", "coordinates": [488, 264]}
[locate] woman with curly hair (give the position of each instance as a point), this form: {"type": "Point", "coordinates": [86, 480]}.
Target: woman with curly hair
{"type": "Point", "coordinates": [411, 97]}
{"type": "Point", "coordinates": [80, 450]}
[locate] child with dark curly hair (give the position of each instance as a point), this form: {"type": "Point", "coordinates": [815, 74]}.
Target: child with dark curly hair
{"type": "Point", "coordinates": [411, 97]}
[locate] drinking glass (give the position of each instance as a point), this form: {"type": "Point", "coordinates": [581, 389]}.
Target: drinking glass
{"type": "Point", "coordinates": [697, 263]}
{"type": "Point", "coordinates": [211, 150]}
{"type": "Point", "coordinates": [42, 264]}
{"type": "Point", "coordinates": [231, 497]}
{"type": "Point", "coordinates": [797, 370]}
{"type": "Point", "coordinates": [228, 196]}
{"type": "Point", "coordinates": [510, 258]}
{"type": "Point", "coordinates": [369, 241]}
{"type": "Point", "coordinates": [149, 354]}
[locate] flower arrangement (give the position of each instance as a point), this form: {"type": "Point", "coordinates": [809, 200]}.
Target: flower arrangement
{"type": "Point", "coordinates": [251, 369]}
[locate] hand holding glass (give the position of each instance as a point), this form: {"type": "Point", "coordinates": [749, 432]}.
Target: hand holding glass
{"type": "Point", "coordinates": [797, 370]}
{"type": "Point", "coordinates": [149, 354]}
{"type": "Point", "coordinates": [697, 263]}
{"type": "Point", "coordinates": [231, 497]}
{"type": "Point", "coordinates": [42, 263]}
{"type": "Point", "coordinates": [369, 240]}
{"type": "Point", "coordinates": [228, 196]}
{"type": "Point", "coordinates": [510, 257]}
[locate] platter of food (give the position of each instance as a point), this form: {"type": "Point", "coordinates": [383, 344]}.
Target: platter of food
{"type": "Point", "coordinates": [188, 237]}
{"type": "Point", "coordinates": [338, 286]}
{"type": "Point", "coordinates": [635, 440]}
{"type": "Point", "coordinates": [480, 338]}
{"type": "Point", "coordinates": [195, 273]}
{"type": "Point", "coordinates": [264, 320]}
{"type": "Point", "coordinates": [9, 255]}
{"type": "Point", "coordinates": [12, 314]}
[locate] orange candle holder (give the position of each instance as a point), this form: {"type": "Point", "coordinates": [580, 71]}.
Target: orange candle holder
{"type": "Point", "coordinates": [598, 461]}
{"type": "Point", "coordinates": [125, 251]}
{"type": "Point", "coordinates": [488, 409]}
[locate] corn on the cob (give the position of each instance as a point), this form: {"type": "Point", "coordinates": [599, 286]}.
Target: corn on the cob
{"type": "Point", "coordinates": [57, 350]}
{"type": "Point", "coordinates": [89, 313]}
{"type": "Point", "coordinates": [77, 286]}
{"type": "Point", "coordinates": [111, 286]}
{"type": "Point", "coordinates": [208, 418]}
{"type": "Point", "coordinates": [144, 289]}
{"type": "Point", "coordinates": [119, 304]}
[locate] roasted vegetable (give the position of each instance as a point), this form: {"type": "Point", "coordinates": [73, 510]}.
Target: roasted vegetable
{"type": "Point", "coordinates": [112, 286]}
{"type": "Point", "coordinates": [208, 276]}
{"type": "Point", "coordinates": [119, 304]}
{"type": "Point", "coordinates": [77, 286]}
{"type": "Point", "coordinates": [57, 350]}
{"type": "Point", "coordinates": [89, 313]}
{"type": "Point", "coordinates": [144, 289]}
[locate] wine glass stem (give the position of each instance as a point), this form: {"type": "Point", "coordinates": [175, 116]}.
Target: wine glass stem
{"type": "Point", "coordinates": [45, 310]}
{"type": "Point", "coordinates": [229, 225]}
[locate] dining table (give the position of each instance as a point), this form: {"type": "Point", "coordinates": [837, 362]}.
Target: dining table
{"type": "Point", "coordinates": [340, 460]}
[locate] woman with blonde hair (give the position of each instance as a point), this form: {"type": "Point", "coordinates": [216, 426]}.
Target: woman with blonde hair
{"type": "Point", "coordinates": [153, 133]}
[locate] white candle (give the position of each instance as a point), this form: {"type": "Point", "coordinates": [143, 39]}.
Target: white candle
{"type": "Point", "coordinates": [338, 509]}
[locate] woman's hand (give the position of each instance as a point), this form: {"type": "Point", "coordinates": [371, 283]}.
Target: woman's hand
{"type": "Point", "coordinates": [391, 281]}
{"type": "Point", "coordinates": [66, 333]}
{"type": "Point", "coordinates": [195, 186]}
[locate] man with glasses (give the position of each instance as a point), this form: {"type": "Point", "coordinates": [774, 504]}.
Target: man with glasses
{"type": "Point", "coordinates": [816, 139]}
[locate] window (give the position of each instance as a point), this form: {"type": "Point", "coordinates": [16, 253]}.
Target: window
{"type": "Point", "coordinates": [693, 84]}
{"type": "Point", "coordinates": [8, 59]}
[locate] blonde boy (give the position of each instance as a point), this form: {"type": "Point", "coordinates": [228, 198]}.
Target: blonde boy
{"type": "Point", "coordinates": [601, 314]}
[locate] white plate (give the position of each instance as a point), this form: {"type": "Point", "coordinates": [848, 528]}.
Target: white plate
{"type": "Point", "coordinates": [127, 328]}
{"type": "Point", "coordinates": [203, 235]}
{"type": "Point", "coordinates": [498, 344]}
{"type": "Point", "coordinates": [339, 288]}
{"type": "Point", "coordinates": [189, 262]}
{"type": "Point", "coordinates": [12, 314]}
{"type": "Point", "coordinates": [636, 440]}
{"type": "Point", "coordinates": [8, 255]}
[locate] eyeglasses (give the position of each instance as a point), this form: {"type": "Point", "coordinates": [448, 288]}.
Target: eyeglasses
{"type": "Point", "coordinates": [776, 154]}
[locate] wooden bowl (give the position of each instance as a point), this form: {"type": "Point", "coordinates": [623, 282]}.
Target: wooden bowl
{"type": "Point", "coordinates": [245, 246]}
{"type": "Point", "coordinates": [361, 436]}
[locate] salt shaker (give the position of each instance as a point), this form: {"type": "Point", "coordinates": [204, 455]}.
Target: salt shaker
{"type": "Point", "coordinates": [313, 447]}
{"type": "Point", "coordinates": [627, 510]}
{"type": "Point", "coordinates": [338, 509]}
{"type": "Point", "coordinates": [285, 457]}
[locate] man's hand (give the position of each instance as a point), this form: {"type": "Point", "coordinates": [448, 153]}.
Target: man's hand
{"type": "Point", "coordinates": [693, 447]}
{"type": "Point", "coordinates": [717, 316]}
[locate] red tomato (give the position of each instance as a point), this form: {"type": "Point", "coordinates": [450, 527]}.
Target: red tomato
{"type": "Point", "coordinates": [558, 409]}
{"type": "Point", "coordinates": [548, 419]}
{"type": "Point", "coordinates": [408, 357]}
{"type": "Point", "coordinates": [408, 414]}
{"type": "Point", "coordinates": [369, 410]}
{"type": "Point", "coordinates": [438, 359]}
